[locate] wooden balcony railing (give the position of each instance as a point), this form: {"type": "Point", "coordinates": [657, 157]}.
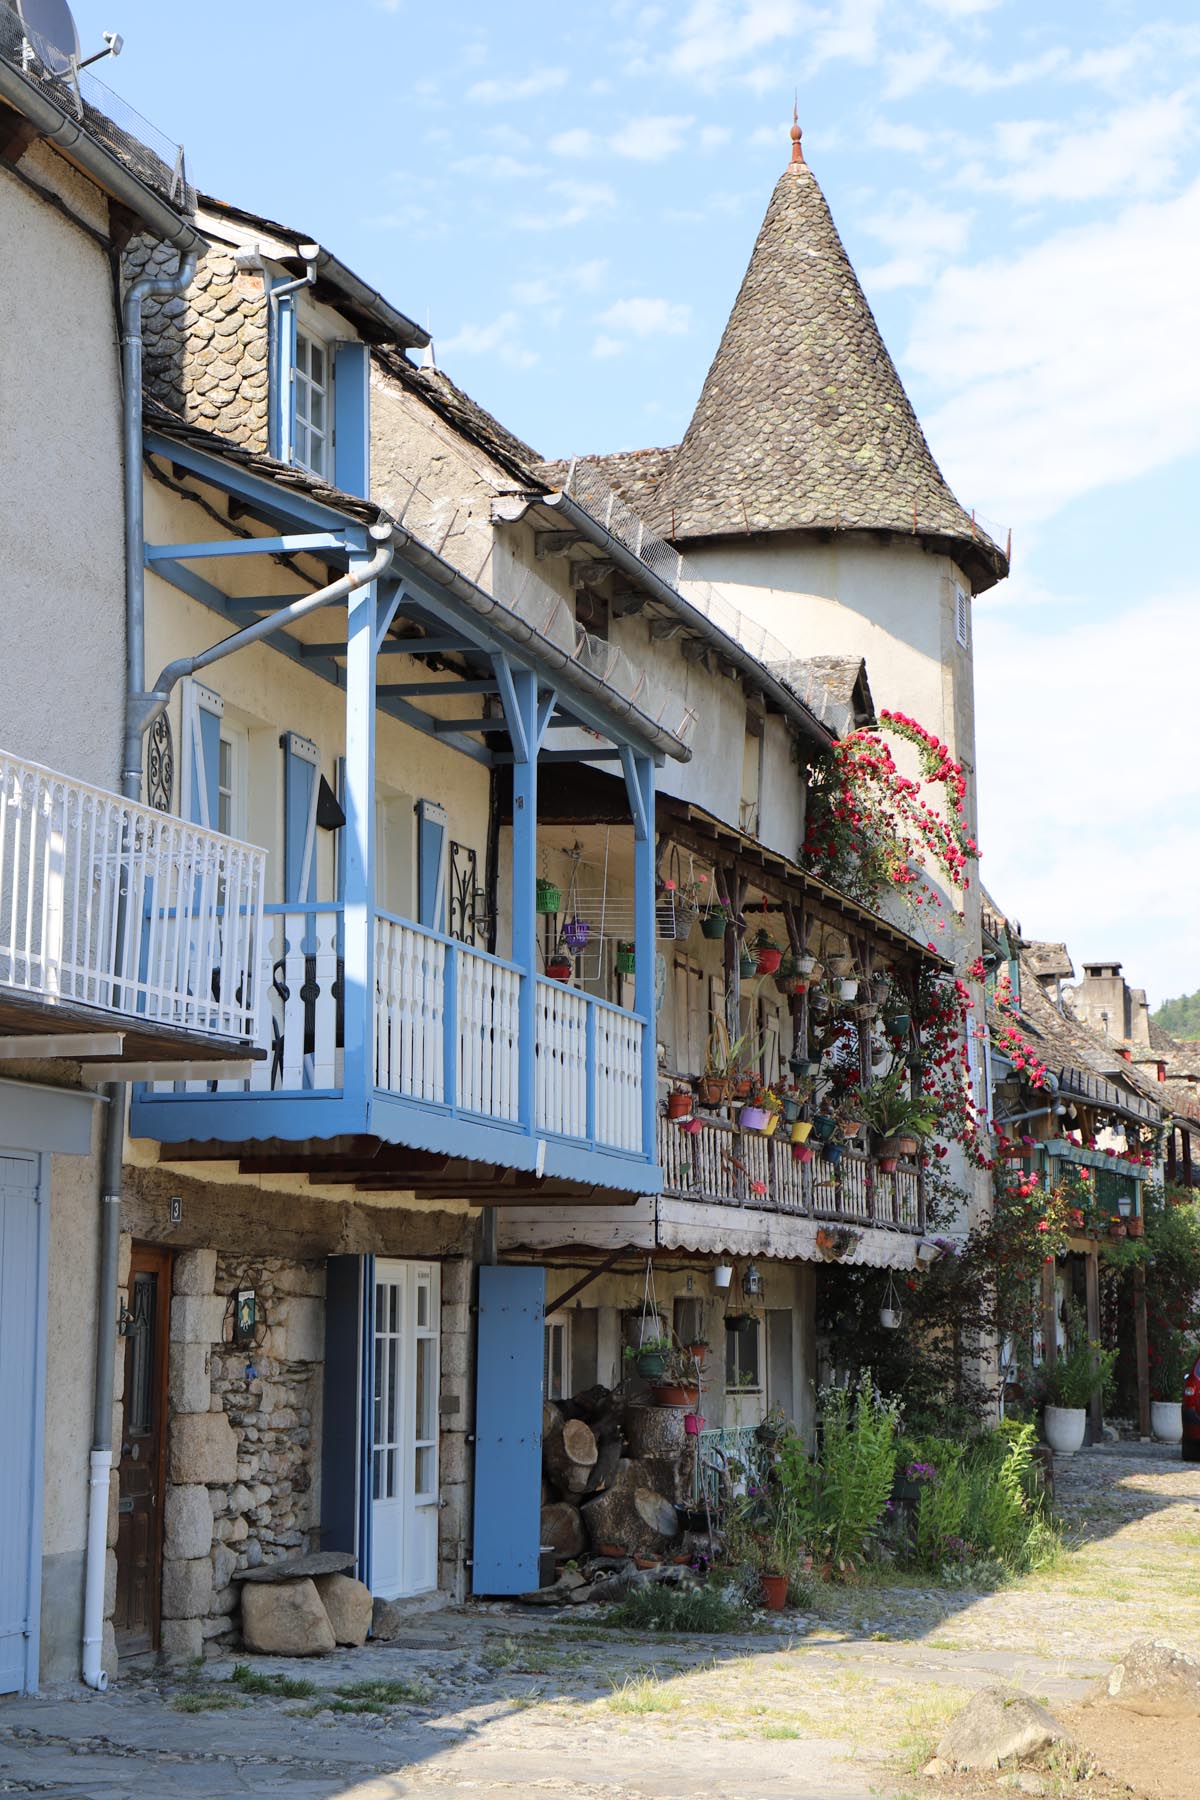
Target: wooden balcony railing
{"type": "Point", "coordinates": [728, 1167]}
{"type": "Point", "coordinates": [108, 904]}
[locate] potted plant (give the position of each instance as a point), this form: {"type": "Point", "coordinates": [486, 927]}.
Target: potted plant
{"type": "Point", "coordinates": [898, 1118]}
{"type": "Point", "coordinates": [804, 1068]}
{"type": "Point", "coordinates": [625, 958]}
{"type": "Point", "coordinates": [768, 955]}
{"type": "Point", "coordinates": [897, 1024]}
{"type": "Point", "coordinates": [1168, 1372]}
{"type": "Point", "coordinates": [1079, 1371]}
{"type": "Point", "coordinates": [755, 1115]}
{"type": "Point", "coordinates": [649, 1357]}
{"type": "Point", "coordinates": [714, 922]}
{"type": "Point", "coordinates": [722, 1275]}
{"type": "Point", "coordinates": [575, 933]}
{"type": "Point", "coordinates": [697, 1350]}
{"type": "Point", "coordinates": [747, 962]}
{"type": "Point", "coordinates": [679, 1101]}
{"type": "Point", "coordinates": [559, 965]}
{"type": "Point", "coordinates": [547, 897]}
{"type": "Point", "coordinates": [824, 1126]}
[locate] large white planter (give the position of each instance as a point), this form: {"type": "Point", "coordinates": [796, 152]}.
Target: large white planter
{"type": "Point", "coordinates": [1166, 1421]}
{"type": "Point", "coordinates": [1065, 1427]}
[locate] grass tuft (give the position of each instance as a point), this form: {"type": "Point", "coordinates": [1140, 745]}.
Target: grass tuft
{"type": "Point", "coordinates": [206, 1700]}
{"type": "Point", "coordinates": [644, 1694]}
{"type": "Point", "coordinates": [279, 1687]}
{"type": "Point", "coordinates": [659, 1608]}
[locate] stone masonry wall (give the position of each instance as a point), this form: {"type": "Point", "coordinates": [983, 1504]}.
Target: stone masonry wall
{"type": "Point", "coordinates": [457, 1408]}
{"type": "Point", "coordinates": [205, 352]}
{"type": "Point", "coordinates": [243, 1446]}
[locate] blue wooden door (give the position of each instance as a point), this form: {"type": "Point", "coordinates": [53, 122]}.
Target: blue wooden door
{"type": "Point", "coordinates": [508, 1430]}
{"type": "Point", "coordinates": [20, 1418]}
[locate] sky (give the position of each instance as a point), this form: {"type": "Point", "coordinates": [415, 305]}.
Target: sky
{"type": "Point", "coordinates": [568, 197]}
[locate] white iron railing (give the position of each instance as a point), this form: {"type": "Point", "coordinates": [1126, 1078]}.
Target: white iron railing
{"type": "Point", "coordinates": [107, 903]}
{"type": "Point", "coordinates": [733, 1168]}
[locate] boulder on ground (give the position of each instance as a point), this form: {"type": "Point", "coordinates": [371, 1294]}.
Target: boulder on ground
{"type": "Point", "coordinates": [285, 1619]}
{"type": "Point", "coordinates": [1157, 1678]}
{"type": "Point", "coordinates": [996, 1726]}
{"type": "Point", "coordinates": [349, 1605]}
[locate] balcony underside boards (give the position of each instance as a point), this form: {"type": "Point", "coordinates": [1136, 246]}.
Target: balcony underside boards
{"type": "Point", "coordinates": [702, 1228]}
{"type": "Point", "coordinates": [146, 1040]}
{"type": "Point", "coordinates": [369, 1165]}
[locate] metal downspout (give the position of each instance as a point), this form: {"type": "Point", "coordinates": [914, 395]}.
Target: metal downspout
{"type": "Point", "coordinates": [100, 1469]}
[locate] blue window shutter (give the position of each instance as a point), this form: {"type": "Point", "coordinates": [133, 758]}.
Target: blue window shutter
{"type": "Point", "coordinates": [352, 418]}
{"type": "Point", "coordinates": [301, 779]}
{"type": "Point", "coordinates": [202, 710]}
{"type": "Point", "coordinates": [282, 360]}
{"type": "Point", "coordinates": [431, 865]}
{"type": "Point", "coordinates": [508, 1430]}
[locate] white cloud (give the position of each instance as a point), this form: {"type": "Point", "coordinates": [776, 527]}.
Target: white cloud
{"type": "Point", "coordinates": [576, 143]}
{"type": "Point", "coordinates": [1069, 367]}
{"type": "Point", "coordinates": [713, 136]}
{"type": "Point", "coordinates": [574, 278]}
{"type": "Point", "coordinates": [921, 236]}
{"type": "Point", "coordinates": [1050, 163]}
{"type": "Point", "coordinates": [1123, 884]}
{"type": "Point", "coordinates": [522, 87]}
{"type": "Point", "coordinates": [577, 201]}
{"type": "Point", "coordinates": [608, 346]}
{"type": "Point", "coordinates": [715, 33]}
{"type": "Point", "coordinates": [650, 139]}
{"type": "Point", "coordinates": [498, 167]}
{"type": "Point", "coordinates": [643, 317]}
{"type": "Point", "coordinates": [498, 338]}
{"type": "Point", "coordinates": [961, 9]}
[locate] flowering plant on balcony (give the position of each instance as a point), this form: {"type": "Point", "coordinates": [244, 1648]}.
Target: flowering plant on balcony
{"type": "Point", "coordinates": [1010, 1040]}
{"type": "Point", "coordinates": [942, 1012]}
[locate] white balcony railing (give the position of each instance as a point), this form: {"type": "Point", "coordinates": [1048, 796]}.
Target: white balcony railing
{"type": "Point", "coordinates": [109, 904]}
{"type": "Point", "coordinates": [732, 1168]}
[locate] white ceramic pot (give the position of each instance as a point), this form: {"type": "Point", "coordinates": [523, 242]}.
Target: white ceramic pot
{"type": "Point", "coordinates": [848, 987]}
{"type": "Point", "coordinates": [722, 1275]}
{"type": "Point", "coordinates": [1065, 1427]}
{"type": "Point", "coordinates": [1166, 1421]}
{"type": "Point", "coordinates": [889, 1317]}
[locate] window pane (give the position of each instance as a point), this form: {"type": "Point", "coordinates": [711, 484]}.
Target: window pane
{"type": "Point", "coordinates": [316, 363]}
{"type": "Point", "coordinates": [424, 1472]}
{"type": "Point", "coordinates": [422, 1305]}
{"type": "Point", "coordinates": [425, 1427]}
{"type": "Point", "coordinates": [731, 1342]}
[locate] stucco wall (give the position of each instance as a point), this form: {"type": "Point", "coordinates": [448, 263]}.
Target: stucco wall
{"type": "Point", "coordinates": [61, 527]}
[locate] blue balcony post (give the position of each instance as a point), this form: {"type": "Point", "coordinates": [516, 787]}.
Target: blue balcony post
{"type": "Point", "coordinates": [359, 844]}
{"type": "Point", "coordinates": [524, 883]}
{"type": "Point", "coordinates": [639, 783]}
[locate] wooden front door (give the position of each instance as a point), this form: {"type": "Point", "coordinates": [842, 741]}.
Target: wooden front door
{"type": "Point", "coordinates": [143, 1447]}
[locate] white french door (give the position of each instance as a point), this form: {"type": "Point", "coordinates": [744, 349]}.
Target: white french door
{"type": "Point", "coordinates": [404, 1456]}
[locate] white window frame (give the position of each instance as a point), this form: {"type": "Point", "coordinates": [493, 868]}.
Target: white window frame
{"type": "Point", "coordinates": [735, 1387]}
{"type": "Point", "coordinates": [306, 436]}
{"type": "Point", "coordinates": [237, 739]}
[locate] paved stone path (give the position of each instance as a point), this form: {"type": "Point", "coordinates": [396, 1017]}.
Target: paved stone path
{"type": "Point", "coordinates": [501, 1704]}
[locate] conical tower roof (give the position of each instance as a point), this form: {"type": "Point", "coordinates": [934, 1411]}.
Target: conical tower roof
{"type": "Point", "coordinates": [803, 422]}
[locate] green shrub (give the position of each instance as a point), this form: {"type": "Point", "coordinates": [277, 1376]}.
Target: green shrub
{"type": "Point", "coordinates": [839, 1500]}
{"type": "Point", "coordinates": [985, 1503]}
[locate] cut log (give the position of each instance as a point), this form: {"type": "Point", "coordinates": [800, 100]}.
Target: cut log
{"type": "Point", "coordinates": [605, 1466]}
{"type": "Point", "coordinates": [569, 1455]}
{"type": "Point", "coordinates": [552, 1418]}
{"type": "Point", "coordinates": [658, 1437]}
{"type": "Point", "coordinates": [562, 1528]}
{"type": "Point", "coordinates": [636, 1518]}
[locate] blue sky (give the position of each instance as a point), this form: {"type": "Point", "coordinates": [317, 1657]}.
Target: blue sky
{"type": "Point", "coordinates": [569, 195]}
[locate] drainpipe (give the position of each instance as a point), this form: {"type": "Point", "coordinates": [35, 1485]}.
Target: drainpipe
{"type": "Point", "coordinates": [100, 1471]}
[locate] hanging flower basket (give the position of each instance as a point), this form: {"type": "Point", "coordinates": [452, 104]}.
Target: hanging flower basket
{"type": "Point", "coordinates": [714, 925]}
{"type": "Point", "coordinates": [848, 988]}
{"type": "Point", "coordinates": [625, 959]}
{"type": "Point", "coordinates": [851, 1127]}
{"type": "Point", "coordinates": [769, 958]}
{"type": "Point", "coordinates": [897, 1024]}
{"type": "Point", "coordinates": [833, 1154]}
{"type": "Point", "coordinates": [801, 1131]}
{"type": "Point", "coordinates": [713, 1090]}
{"type": "Point", "coordinates": [575, 933]}
{"type": "Point", "coordinates": [547, 897]}
{"type": "Point", "coordinates": [791, 985]}
{"type": "Point", "coordinates": [805, 964]}
{"type": "Point", "coordinates": [896, 1147]}
{"type": "Point", "coordinates": [694, 1424]}
{"type": "Point", "coordinates": [804, 1066]}
{"type": "Point", "coordinates": [791, 1110]}
{"type": "Point", "coordinates": [679, 1106]}
{"type": "Point", "coordinates": [742, 1087]}
{"type": "Point", "coordinates": [748, 964]}
{"type": "Point", "coordinates": [887, 1165]}
{"type": "Point", "coordinates": [559, 968]}
{"type": "Point", "coordinates": [650, 1364]}
{"type": "Point", "coordinates": [824, 1127]}
{"type": "Point", "coordinates": [754, 1118]}
{"type": "Point", "coordinates": [801, 1153]}
{"type": "Point", "coordinates": [692, 1126]}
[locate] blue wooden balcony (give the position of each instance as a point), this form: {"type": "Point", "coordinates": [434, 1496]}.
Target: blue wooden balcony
{"type": "Point", "coordinates": [444, 1071]}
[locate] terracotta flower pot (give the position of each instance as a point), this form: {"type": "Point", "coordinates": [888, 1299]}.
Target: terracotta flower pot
{"type": "Point", "coordinates": [774, 1592]}
{"type": "Point", "coordinates": [887, 1165]}
{"type": "Point", "coordinates": [675, 1393]}
{"type": "Point", "coordinates": [713, 1090]}
{"type": "Point", "coordinates": [679, 1106]}
{"type": "Point", "coordinates": [896, 1147]}
{"type": "Point", "coordinates": [1135, 1227]}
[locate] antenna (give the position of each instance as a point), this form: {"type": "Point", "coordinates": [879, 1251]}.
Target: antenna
{"type": "Point", "coordinates": [51, 35]}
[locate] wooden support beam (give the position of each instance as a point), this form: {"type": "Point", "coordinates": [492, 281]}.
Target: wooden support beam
{"type": "Point", "coordinates": [16, 135]}
{"type": "Point", "coordinates": [1142, 1342]}
{"type": "Point", "coordinates": [602, 1268]}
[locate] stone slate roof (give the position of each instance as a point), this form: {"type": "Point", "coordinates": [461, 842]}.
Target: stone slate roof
{"type": "Point", "coordinates": [1049, 960]}
{"type": "Point", "coordinates": [834, 687]}
{"type": "Point", "coordinates": [1067, 1045]}
{"type": "Point", "coordinates": [803, 423]}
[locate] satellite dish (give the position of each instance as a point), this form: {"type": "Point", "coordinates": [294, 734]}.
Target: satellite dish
{"type": "Point", "coordinates": [51, 31]}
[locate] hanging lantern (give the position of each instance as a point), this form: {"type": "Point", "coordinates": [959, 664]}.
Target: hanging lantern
{"type": "Point", "coordinates": [752, 1282]}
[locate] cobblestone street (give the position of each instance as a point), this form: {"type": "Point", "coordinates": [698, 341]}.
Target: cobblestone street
{"type": "Point", "coordinates": [501, 1703]}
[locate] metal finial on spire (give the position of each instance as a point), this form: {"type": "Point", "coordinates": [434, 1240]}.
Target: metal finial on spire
{"type": "Point", "coordinates": [797, 134]}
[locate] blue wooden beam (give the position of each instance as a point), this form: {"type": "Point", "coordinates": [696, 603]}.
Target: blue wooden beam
{"type": "Point", "coordinates": [512, 707]}
{"type": "Point", "coordinates": [452, 688]}
{"type": "Point", "coordinates": [633, 787]}
{"type": "Point", "coordinates": [288, 506]}
{"type": "Point", "coordinates": [292, 543]}
{"type": "Point", "coordinates": [444, 726]}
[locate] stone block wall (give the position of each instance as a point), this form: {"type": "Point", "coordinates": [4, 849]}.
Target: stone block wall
{"type": "Point", "coordinates": [205, 353]}
{"type": "Point", "coordinates": [242, 1447]}
{"type": "Point", "coordinates": [457, 1409]}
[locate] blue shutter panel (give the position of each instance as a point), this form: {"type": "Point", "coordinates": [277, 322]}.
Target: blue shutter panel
{"type": "Point", "coordinates": [352, 418]}
{"type": "Point", "coordinates": [203, 711]}
{"type": "Point", "coordinates": [301, 779]}
{"type": "Point", "coordinates": [431, 865]}
{"type": "Point", "coordinates": [508, 1430]}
